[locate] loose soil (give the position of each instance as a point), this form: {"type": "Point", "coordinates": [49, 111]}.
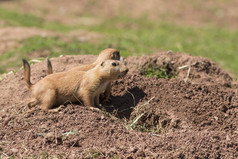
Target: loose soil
{"type": "Point", "coordinates": [192, 115]}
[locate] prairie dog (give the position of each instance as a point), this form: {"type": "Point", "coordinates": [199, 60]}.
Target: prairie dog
{"type": "Point", "coordinates": [106, 54]}
{"type": "Point", "coordinates": [96, 80]}
{"type": "Point", "coordinates": [73, 86]}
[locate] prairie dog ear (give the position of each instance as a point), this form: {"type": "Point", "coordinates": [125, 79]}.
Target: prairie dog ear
{"type": "Point", "coordinates": [116, 55]}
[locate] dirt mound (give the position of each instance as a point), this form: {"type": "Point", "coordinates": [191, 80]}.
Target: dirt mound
{"type": "Point", "coordinates": [191, 114]}
{"type": "Point", "coordinates": [182, 66]}
{"type": "Point", "coordinates": [164, 105]}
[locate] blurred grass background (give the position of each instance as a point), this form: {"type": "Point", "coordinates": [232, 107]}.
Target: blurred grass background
{"type": "Point", "coordinates": [132, 35]}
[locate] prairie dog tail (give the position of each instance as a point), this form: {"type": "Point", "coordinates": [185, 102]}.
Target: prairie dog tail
{"type": "Point", "coordinates": [49, 67]}
{"type": "Point", "coordinates": [27, 73]}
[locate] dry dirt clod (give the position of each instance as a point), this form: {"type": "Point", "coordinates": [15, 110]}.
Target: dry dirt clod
{"type": "Point", "coordinates": [133, 149]}
{"type": "Point", "coordinates": [14, 150]}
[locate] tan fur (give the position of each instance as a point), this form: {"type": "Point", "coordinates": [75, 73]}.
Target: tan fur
{"type": "Point", "coordinates": [107, 54]}
{"type": "Point", "coordinates": [49, 67]}
{"type": "Point", "coordinates": [27, 73]}
{"type": "Point", "coordinates": [96, 80]}
{"type": "Point", "coordinates": [58, 88]}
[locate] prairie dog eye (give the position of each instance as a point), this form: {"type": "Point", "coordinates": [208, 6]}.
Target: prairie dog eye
{"type": "Point", "coordinates": [114, 64]}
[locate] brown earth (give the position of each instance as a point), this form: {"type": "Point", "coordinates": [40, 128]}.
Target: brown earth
{"type": "Point", "coordinates": [182, 12]}
{"type": "Point", "coordinates": [193, 115]}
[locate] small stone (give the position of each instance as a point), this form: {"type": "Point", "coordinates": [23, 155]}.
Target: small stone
{"type": "Point", "coordinates": [44, 126]}
{"type": "Point", "coordinates": [14, 150]}
{"type": "Point", "coordinates": [133, 149]}
{"type": "Point", "coordinates": [49, 135]}
{"type": "Point", "coordinates": [228, 138]}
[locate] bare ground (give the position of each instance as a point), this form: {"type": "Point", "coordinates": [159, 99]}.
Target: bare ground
{"type": "Point", "coordinates": [192, 119]}
{"type": "Point", "coordinates": [193, 115]}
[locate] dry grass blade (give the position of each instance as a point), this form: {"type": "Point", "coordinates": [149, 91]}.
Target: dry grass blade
{"type": "Point", "coordinates": [134, 101]}
{"type": "Point", "coordinates": [71, 132]}
{"type": "Point", "coordinates": [186, 79]}
{"type": "Point", "coordinates": [146, 103]}
{"type": "Point", "coordinates": [189, 69]}
{"type": "Point", "coordinates": [137, 119]}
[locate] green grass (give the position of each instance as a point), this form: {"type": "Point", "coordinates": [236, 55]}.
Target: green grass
{"type": "Point", "coordinates": [54, 45]}
{"type": "Point", "coordinates": [158, 73]}
{"type": "Point", "coordinates": [13, 18]}
{"type": "Point", "coordinates": [91, 154]}
{"type": "Point", "coordinates": [139, 37]}
{"type": "Point", "coordinates": [131, 36]}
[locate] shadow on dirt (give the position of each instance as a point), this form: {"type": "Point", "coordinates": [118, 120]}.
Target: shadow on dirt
{"type": "Point", "coordinates": [122, 106]}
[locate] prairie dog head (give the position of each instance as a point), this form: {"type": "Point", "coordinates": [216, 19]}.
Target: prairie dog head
{"type": "Point", "coordinates": [112, 69]}
{"type": "Point", "coordinates": [108, 54]}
